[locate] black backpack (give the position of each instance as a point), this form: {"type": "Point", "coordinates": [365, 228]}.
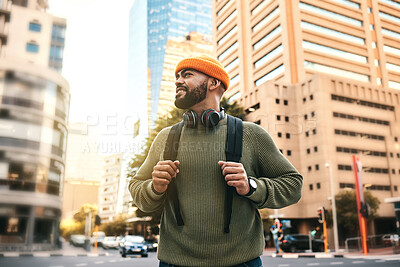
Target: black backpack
{"type": "Point", "coordinates": [233, 152]}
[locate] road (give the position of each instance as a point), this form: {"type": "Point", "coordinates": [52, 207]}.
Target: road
{"type": "Point", "coordinates": [114, 259]}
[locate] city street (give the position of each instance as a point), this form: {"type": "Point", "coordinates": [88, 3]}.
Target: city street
{"type": "Point", "coordinates": [113, 258]}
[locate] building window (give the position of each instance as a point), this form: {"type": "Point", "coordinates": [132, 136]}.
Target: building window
{"type": "Point", "coordinates": [398, 155]}
{"type": "Point", "coordinates": [304, 99]}
{"type": "Point", "coordinates": [310, 186]}
{"type": "Point", "coordinates": [289, 152]}
{"type": "Point", "coordinates": [311, 97]}
{"type": "Point", "coordinates": [279, 134]}
{"type": "Point", "coordinates": [312, 114]}
{"type": "Point", "coordinates": [395, 188]}
{"type": "Point", "coordinates": [316, 167]}
{"type": "Point", "coordinates": [32, 48]}
{"type": "Point", "coordinates": [285, 102]}
{"type": "Point", "coordinates": [318, 186]}
{"type": "Point", "coordinates": [393, 171]}
{"type": "Point", "coordinates": [396, 139]}
{"type": "Point", "coordinates": [315, 149]}
{"type": "Point", "coordinates": [288, 135]}
{"type": "Point", "coordinates": [309, 168]}
{"type": "Point", "coordinates": [391, 154]}
{"type": "Point", "coordinates": [305, 116]}
{"type": "Point", "coordinates": [281, 151]}
{"type": "Point", "coordinates": [277, 101]}
{"type": "Point", "coordinates": [307, 134]}
{"type": "Point", "coordinates": [286, 118]}
{"type": "Point", "coordinates": [314, 131]}
{"type": "Point", "coordinates": [258, 122]}
{"type": "Point", "coordinates": [308, 151]}
{"type": "Point", "coordinates": [35, 27]}
{"type": "Point", "coordinates": [278, 117]}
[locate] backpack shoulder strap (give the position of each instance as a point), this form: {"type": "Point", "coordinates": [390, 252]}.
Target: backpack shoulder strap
{"type": "Point", "coordinates": [170, 153]}
{"type": "Point", "coordinates": [172, 144]}
{"type": "Point", "coordinates": [233, 152]}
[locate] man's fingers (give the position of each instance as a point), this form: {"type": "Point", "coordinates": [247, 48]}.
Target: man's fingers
{"type": "Point", "coordinates": [174, 165]}
{"type": "Point", "coordinates": [162, 175]}
{"type": "Point", "coordinates": [234, 177]}
{"type": "Point", "coordinates": [229, 170]}
{"type": "Point", "coordinates": [165, 168]}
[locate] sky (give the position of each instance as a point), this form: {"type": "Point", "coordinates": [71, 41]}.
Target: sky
{"type": "Point", "coordinates": [95, 55]}
{"type": "Point", "coordinates": [95, 65]}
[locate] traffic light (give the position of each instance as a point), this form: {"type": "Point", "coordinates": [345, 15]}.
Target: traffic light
{"type": "Point", "coordinates": [364, 210]}
{"type": "Point", "coordinates": [97, 220]}
{"type": "Point", "coordinates": [321, 214]}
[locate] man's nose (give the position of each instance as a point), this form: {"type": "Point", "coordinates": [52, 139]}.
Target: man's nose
{"type": "Point", "coordinates": [178, 81]}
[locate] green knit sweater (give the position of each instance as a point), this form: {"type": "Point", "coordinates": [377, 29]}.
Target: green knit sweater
{"type": "Point", "coordinates": [201, 241]}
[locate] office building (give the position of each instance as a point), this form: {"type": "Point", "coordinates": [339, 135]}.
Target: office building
{"type": "Point", "coordinates": [323, 77]}
{"type": "Point", "coordinates": [33, 125]}
{"type": "Point", "coordinates": [152, 23]}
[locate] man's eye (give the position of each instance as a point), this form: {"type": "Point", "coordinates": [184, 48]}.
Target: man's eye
{"type": "Point", "coordinates": [186, 74]}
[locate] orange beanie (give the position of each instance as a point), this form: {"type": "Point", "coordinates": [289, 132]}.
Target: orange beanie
{"type": "Point", "coordinates": [207, 65]}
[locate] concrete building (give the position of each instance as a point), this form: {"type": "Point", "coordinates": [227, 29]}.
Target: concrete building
{"type": "Point", "coordinates": [110, 189]}
{"type": "Point", "coordinates": [33, 125]}
{"type": "Point", "coordinates": [178, 48]}
{"type": "Point", "coordinates": [323, 77]}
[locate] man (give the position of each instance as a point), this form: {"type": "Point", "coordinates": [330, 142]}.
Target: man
{"type": "Point", "coordinates": [264, 178]}
{"type": "Point", "coordinates": [275, 236]}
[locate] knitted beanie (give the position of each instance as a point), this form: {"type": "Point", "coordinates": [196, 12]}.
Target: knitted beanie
{"type": "Point", "coordinates": [207, 65]}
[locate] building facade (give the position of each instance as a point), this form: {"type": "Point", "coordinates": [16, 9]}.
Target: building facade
{"type": "Point", "coordinates": [33, 125]}
{"type": "Point", "coordinates": [323, 77]}
{"type": "Point", "coordinates": [152, 24]}
{"type": "Point", "coordinates": [178, 48]}
{"type": "Point", "coordinates": [109, 190]}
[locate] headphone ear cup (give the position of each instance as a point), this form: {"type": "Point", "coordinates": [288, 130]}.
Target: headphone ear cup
{"type": "Point", "coordinates": [190, 119]}
{"type": "Point", "coordinates": [210, 118]}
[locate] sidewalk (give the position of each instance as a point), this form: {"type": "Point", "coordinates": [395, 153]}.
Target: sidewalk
{"type": "Point", "coordinates": [380, 253]}
{"type": "Point", "coordinates": [67, 250]}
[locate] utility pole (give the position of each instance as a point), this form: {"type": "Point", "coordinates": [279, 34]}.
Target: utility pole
{"type": "Point", "coordinates": [334, 213]}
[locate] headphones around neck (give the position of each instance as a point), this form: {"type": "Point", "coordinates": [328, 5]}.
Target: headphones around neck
{"type": "Point", "coordinates": [209, 118]}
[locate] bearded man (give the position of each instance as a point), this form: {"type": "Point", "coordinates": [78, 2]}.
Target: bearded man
{"type": "Point", "coordinates": [194, 234]}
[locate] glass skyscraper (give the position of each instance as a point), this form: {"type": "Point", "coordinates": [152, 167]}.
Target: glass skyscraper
{"type": "Point", "coordinates": [152, 23]}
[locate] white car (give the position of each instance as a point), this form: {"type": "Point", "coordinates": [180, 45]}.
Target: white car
{"type": "Point", "coordinates": [110, 242]}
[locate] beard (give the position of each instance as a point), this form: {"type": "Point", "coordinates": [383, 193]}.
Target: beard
{"type": "Point", "coordinates": [192, 97]}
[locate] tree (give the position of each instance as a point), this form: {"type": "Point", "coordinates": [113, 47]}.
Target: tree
{"type": "Point", "coordinates": [114, 228]}
{"type": "Point", "coordinates": [174, 116]}
{"type": "Point", "coordinates": [347, 214]}
{"type": "Point", "coordinates": [76, 225]}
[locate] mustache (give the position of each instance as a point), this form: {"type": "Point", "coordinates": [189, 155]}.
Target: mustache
{"type": "Point", "coordinates": [181, 87]}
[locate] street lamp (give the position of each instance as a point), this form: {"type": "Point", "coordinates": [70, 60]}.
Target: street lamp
{"type": "Point", "coordinates": [334, 213]}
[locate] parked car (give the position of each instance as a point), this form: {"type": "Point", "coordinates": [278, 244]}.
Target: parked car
{"type": "Point", "coordinates": [298, 242]}
{"type": "Point", "coordinates": [99, 238]}
{"type": "Point", "coordinates": [110, 242]}
{"type": "Point", "coordinates": [77, 240]}
{"type": "Point", "coordinates": [134, 245]}
{"type": "Point", "coordinates": [389, 239]}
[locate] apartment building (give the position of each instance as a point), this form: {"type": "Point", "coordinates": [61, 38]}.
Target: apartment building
{"type": "Point", "coordinates": [323, 77]}
{"type": "Point", "coordinates": [33, 125]}
{"type": "Point", "coordinates": [109, 188]}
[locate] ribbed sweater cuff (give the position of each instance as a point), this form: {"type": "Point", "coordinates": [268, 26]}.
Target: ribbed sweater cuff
{"type": "Point", "coordinates": [259, 195]}
{"type": "Point", "coordinates": [153, 193]}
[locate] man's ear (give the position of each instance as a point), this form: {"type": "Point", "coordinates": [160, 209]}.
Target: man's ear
{"type": "Point", "coordinates": [215, 83]}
